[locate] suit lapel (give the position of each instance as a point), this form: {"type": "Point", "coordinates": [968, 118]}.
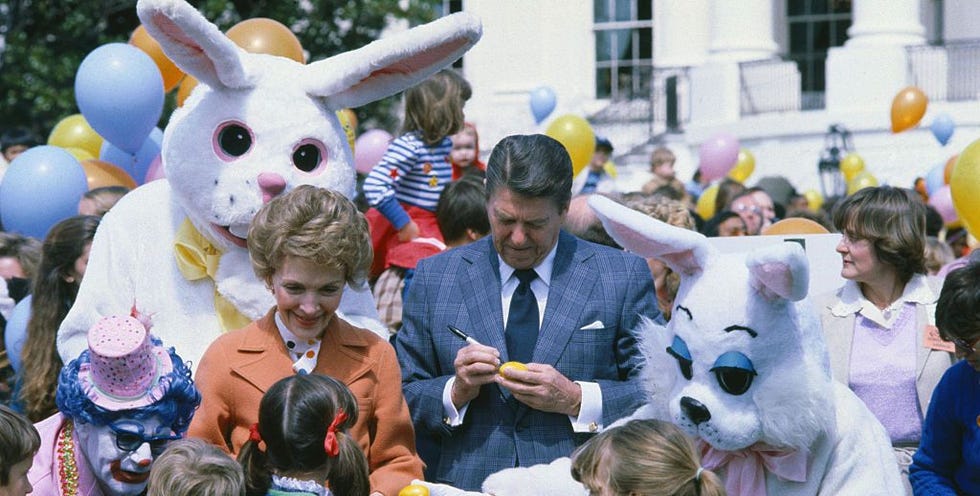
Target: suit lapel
{"type": "Point", "coordinates": [572, 283]}
{"type": "Point", "coordinates": [480, 290]}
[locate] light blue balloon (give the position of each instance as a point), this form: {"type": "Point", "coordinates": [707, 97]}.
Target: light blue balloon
{"type": "Point", "coordinates": [935, 178]}
{"type": "Point", "coordinates": [16, 331]}
{"type": "Point", "coordinates": [543, 102]}
{"type": "Point", "coordinates": [119, 90]}
{"type": "Point", "coordinates": [42, 187]}
{"type": "Point", "coordinates": [136, 165]}
{"type": "Point", "coordinates": [942, 128]}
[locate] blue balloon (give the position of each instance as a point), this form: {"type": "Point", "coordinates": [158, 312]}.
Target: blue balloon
{"type": "Point", "coordinates": [935, 179]}
{"type": "Point", "coordinates": [120, 93]}
{"type": "Point", "coordinates": [135, 164]}
{"type": "Point", "coordinates": [16, 331]}
{"type": "Point", "coordinates": [42, 187]}
{"type": "Point", "coordinates": [542, 103]}
{"type": "Point", "coordinates": [942, 128]}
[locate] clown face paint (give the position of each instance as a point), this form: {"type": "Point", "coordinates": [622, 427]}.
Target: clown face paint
{"type": "Point", "coordinates": [123, 471]}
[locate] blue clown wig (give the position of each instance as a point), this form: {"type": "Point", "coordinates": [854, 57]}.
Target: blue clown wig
{"type": "Point", "coordinates": [175, 408]}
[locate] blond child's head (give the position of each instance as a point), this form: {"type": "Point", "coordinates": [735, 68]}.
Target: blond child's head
{"type": "Point", "coordinates": [193, 467]}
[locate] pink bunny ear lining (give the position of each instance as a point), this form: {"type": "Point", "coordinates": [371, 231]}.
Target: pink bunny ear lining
{"type": "Point", "coordinates": [177, 35]}
{"type": "Point", "coordinates": [424, 59]}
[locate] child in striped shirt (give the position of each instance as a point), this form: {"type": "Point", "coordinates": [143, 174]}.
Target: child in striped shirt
{"type": "Point", "coordinates": [403, 189]}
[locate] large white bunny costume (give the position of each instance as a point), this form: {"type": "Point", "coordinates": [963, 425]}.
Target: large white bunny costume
{"type": "Point", "coordinates": [256, 126]}
{"type": "Point", "coordinates": [742, 368]}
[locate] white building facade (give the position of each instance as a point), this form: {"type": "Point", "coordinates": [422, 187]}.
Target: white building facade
{"type": "Point", "coordinates": [775, 73]}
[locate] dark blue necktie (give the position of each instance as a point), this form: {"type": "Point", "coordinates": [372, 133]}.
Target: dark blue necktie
{"type": "Point", "coordinates": [522, 321]}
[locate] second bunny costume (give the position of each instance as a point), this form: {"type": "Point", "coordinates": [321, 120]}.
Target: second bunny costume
{"type": "Point", "coordinates": [256, 126]}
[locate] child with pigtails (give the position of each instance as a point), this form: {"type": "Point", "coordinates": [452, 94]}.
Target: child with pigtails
{"type": "Point", "coordinates": [300, 445]}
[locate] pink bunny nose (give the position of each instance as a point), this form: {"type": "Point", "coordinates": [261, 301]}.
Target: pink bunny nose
{"type": "Point", "coordinates": [271, 184]}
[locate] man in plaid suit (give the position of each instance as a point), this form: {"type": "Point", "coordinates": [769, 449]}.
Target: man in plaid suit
{"type": "Point", "coordinates": [583, 363]}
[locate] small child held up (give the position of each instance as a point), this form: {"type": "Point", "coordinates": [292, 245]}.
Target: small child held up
{"type": "Point", "coordinates": [465, 155]}
{"type": "Point", "coordinates": [19, 442]}
{"type": "Point", "coordinates": [643, 457]}
{"type": "Point", "coordinates": [403, 189]}
{"type": "Point", "coordinates": [194, 467]}
{"type": "Point", "coordinates": [303, 423]}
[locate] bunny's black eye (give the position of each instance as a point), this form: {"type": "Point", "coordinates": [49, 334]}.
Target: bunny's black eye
{"type": "Point", "coordinates": [310, 156]}
{"type": "Point", "coordinates": [233, 140]}
{"type": "Point", "coordinates": [306, 157]}
{"type": "Point", "coordinates": [734, 372]}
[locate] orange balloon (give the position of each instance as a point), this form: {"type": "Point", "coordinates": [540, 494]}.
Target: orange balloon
{"type": "Point", "coordinates": [795, 225]}
{"type": "Point", "coordinates": [908, 107]}
{"type": "Point", "coordinates": [186, 87]}
{"type": "Point", "coordinates": [170, 72]}
{"type": "Point", "coordinates": [948, 172]}
{"type": "Point", "coordinates": [100, 173]}
{"type": "Point", "coordinates": [263, 35]}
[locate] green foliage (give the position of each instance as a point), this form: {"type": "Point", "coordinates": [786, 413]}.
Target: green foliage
{"type": "Point", "coordinates": [46, 40]}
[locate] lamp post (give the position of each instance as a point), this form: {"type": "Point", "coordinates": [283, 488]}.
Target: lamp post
{"type": "Point", "coordinates": [837, 144]}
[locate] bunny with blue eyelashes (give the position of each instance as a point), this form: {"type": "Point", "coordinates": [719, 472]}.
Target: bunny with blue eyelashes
{"type": "Point", "coordinates": [742, 368]}
{"type": "Point", "coordinates": [254, 128]}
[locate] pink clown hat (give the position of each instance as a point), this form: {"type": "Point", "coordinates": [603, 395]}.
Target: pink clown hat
{"type": "Point", "coordinates": [125, 368]}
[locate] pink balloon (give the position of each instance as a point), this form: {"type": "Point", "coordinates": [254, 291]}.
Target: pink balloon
{"type": "Point", "coordinates": [718, 154]}
{"type": "Point", "coordinates": [154, 171]}
{"type": "Point", "coordinates": [942, 201]}
{"type": "Point", "coordinates": [369, 147]}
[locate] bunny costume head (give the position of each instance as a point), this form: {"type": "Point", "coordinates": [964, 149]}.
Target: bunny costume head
{"type": "Point", "coordinates": [257, 126]}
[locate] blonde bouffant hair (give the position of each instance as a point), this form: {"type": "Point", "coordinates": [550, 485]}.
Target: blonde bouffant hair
{"type": "Point", "coordinates": [315, 224]}
{"type": "Point", "coordinates": [643, 457]}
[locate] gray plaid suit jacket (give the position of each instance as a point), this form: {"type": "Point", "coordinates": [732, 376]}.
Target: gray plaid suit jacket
{"type": "Point", "coordinates": [461, 287]}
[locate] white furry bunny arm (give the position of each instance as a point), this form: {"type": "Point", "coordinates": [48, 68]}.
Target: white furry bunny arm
{"type": "Point", "coordinates": [444, 490]}
{"type": "Point", "coordinates": [546, 479]}
{"type": "Point", "coordinates": [107, 286]}
{"type": "Point", "coordinates": [862, 461]}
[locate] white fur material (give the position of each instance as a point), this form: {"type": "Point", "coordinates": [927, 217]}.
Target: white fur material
{"type": "Point", "coordinates": [283, 105]}
{"type": "Point", "coordinates": [754, 305]}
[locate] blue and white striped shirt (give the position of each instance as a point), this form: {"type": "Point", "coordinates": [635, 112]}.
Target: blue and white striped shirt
{"type": "Point", "coordinates": [410, 172]}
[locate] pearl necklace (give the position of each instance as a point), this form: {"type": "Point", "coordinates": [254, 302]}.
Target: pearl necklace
{"type": "Point", "coordinates": [67, 470]}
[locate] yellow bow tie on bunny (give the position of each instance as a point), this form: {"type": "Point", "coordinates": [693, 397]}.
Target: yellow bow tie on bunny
{"type": "Point", "coordinates": [197, 258]}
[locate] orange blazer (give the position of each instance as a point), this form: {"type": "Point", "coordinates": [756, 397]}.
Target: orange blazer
{"type": "Point", "coordinates": [240, 366]}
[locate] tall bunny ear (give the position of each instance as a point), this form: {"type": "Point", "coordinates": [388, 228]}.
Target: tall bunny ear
{"type": "Point", "coordinates": [196, 45]}
{"type": "Point", "coordinates": [780, 271]}
{"type": "Point", "coordinates": [390, 65]}
{"type": "Point", "coordinates": [684, 251]}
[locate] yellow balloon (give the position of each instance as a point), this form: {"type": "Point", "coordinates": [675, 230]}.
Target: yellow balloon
{"type": "Point", "coordinates": [851, 165]}
{"type": "Point", "coordinates": [706, 202]}
{"type": "Point", "coordinates": [744, 166]}
{"type": "Point", "coordinates": [610, 169]}
{"type": "Point", "coordinates": [348, 121]}
{"type": "Point", "coordinates": [184, 90]}
{"type": "Point", "coordinates": [814, 199]}
{"type": "Point", "coordinates": [862, 180]}
{"type": "Point", "coordinates": [75, 132]}
{"type": "Point", "coordinates": [576, 135]}
{"type": "Point", "coordinates": [964, 185]}
{"type": "Point", "coordinates": [79, 154]}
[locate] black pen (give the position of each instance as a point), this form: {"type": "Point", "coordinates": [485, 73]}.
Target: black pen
{"type": "Point", "coordinates": [463, 335]}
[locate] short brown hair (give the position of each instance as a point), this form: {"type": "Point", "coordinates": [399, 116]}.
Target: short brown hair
{"type": "Point", "coordinates": [19, 441]}
{"type": "Point", "coordinates": [314, 223]}
{"type": "Point", "coordinates": [434, 107]}
{"type": "Point", "coordinates": [892, 220]}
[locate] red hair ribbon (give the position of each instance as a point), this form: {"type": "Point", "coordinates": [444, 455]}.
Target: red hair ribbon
{"type": "Point", "coordinates": [253, 433]}
{"type": "Point", "coordinates": [330, 445]}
